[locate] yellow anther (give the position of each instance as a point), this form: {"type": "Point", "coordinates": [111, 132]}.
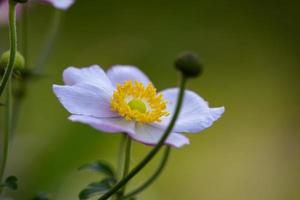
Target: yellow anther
{"type": "Point", "coordinates": [134, 101]}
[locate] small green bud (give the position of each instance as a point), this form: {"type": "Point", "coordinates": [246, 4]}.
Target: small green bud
{"type": "Point", "coordinates": [189, 64]}
{"type": "Point", "coordinates": [19, 63]}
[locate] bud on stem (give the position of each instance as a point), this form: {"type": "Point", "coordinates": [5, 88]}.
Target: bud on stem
{"type": "Point", "coordinates": [19, 62]}
{"type": "Point", "coordinates": [20, 1]}
{"type": "Point", "coordinates": [189, 64]}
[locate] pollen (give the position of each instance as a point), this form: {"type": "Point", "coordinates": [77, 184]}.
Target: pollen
{"type": "Point", "coordinates": [134, 101]}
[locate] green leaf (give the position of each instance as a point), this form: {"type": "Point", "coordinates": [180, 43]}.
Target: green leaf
{"type": "Point", "coordinates": [100, 167]}
{"type": "Point", "coordinates": [11, 183]}
{"type": "Point", "coordinates": [41, 196]}
{"type": "Point", "coordinates": [97, 188]}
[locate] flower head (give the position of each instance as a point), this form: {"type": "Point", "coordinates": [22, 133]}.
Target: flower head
{"type": "Point", "coordinates": [124, 100]}
{"type": "Point", "coordinates": [59, 4]}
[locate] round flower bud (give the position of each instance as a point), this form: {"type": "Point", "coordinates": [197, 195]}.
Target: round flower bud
{"type": "Point", "coordinates": [189, 64]}
{"type": "Point", "coordinates": [21, 1]}
{"type": "Point", "coordinates": [19, 63]}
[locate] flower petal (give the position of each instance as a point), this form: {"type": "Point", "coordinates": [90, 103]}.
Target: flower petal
{"type": "Point", "coordinates": [61, 4]}
{"type": "Point", "coordinates": [84, 99]}
{"type": "Point", "coordinates": [93, 75]}
{"type": "Point", "coordinates": [195, 114]}
{"type": "Point", "coordinates": [4, 10]}
{"type": "Point", "coordinates": [150, 135]}
{"type": "Point", "coordinates": [122, 73]}
{"type": "Point", "coordinates": [108, 124]}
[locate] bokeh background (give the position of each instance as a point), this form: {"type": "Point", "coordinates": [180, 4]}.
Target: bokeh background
{"type": "Point", "coordinates": [251, 51]}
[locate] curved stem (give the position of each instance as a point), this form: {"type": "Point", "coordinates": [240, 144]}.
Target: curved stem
{"type": "Point", "coordinates": [121, 155]}
{"type": "Point", "coordinates": [41, 60]}
{"type": "Point", "coordinates": [126, 161]}
{"type": "Point", "coordinates": [25, 33]}
{"type": "Point", "coordinates": [154, 151]}
{"type": "Point", "coordinates": [7, 131]}
{"type": "Point", "coordinates": [22, 85]}
{"type": "Point", "coordinates": [48, 45]}
{"type": "Point", "coordinates": [13, 45]}
{"type": "Point", "coordinates": [5, 80]}
{"type": "Point", "coordinates": [153, 177]}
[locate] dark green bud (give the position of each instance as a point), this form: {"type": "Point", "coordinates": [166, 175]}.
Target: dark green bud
{"type": "Point", "coordinates": [189, 64]}
{"type": "Point", "coordinates": [19, 63]}
{"type": "Point", "coordinates": [21, 1]}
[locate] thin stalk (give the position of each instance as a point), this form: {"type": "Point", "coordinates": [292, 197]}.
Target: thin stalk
{"type": "Point", "coordinates": [7, 131]}
{"type": "Point", "coordinates": [13, 45]}
{"type": "Point", "coordinates": [127, 157]}
{"type": "Point", "coordinates": [25, 33]}
{"type": "Point", "coordinates": [155, 150]}
{"type": "Point", "coordinates": [22, 84]}
{"type": "Point", "coordinates": [153, 177]}
{"type": "Point", "coordinates": [121, 155]}
{"type": "Point", "coordinates": [49, 42]}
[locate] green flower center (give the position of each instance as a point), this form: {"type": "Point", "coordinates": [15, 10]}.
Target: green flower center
{"type": "Point", "coordinates": [136, 104]}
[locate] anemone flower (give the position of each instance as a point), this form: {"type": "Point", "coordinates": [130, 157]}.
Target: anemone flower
{"type": "Point", "coordinates": [123, 99]}
{"type": "Point", "coordinates": [59, 4]}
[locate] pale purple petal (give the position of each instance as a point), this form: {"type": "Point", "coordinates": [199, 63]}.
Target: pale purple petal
{"type": "Point", "coordinates": [150, 135]}
{"type": "Point", "coordinates": [4, 11]}
{"type": "Point", "coordinates": [122, 73]}
{"type": "Point", "coordinates": [61, 4]}
{"type": "Point", "coordinates": [84, 99]}
{"type": "Point", "coordinates": [195, 114]}
{"type": "Point", "coordinates": [108, 124]}
{"type": "Point", "coordinates": [93, 75]}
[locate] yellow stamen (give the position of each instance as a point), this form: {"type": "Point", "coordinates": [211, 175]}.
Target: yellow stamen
{"type": "Point", "coordinates": [134, 101]}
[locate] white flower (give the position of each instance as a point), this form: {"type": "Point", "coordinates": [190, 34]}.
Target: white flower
{"type": "Point", "coordinates": [61, 4]}
{"type": "Point", "coordinates": [124, 100]}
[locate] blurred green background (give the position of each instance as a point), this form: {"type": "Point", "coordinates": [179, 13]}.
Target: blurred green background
{"type": "Point", "coordinates": [251, 54]}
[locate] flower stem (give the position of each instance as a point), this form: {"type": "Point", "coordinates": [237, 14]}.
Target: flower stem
{"type": "Point", "coordinates": [153, 177]}
{"type": "Point", "coordinates": [13, 45]}
{"type": "Point", "coordinates": [7, 131]}
{"type": "Point", "coordinates": [127, 157]}
{"type": "Point", "coordinates": [5, 81]}
{"type": "Point", "coordinates": [25, 34]}
{"type": "Point", "coordinates": [48, 45]}
{"type": "Point", "coordinates": [22, 85]}
{"type": "Point", "coordinates": [154, 151]}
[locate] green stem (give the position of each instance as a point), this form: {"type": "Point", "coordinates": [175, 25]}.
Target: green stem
{"type": "Point", "coordinates": [21, 84]}
{"type": "Point", "coordinates": [154, 151]}
{"type": "Point", "coordinates": [18, 101]}
{"type": "Point", "coordinates": [121, 155]}
{"type": "Point", "coordinates": [25, 33]}
{"type": "Point", "coordinates": [4, 82]}
{"type": "Point", "coordinates": [126, 165]}
{"type": "Point", "coordinates": [153, 177]}
{"type": "Point", "coordinates": [13, 45]}
{"type": "Point", "coordinates": [7, 131]}
{"type": "Point", "coordinates": [48, 45]}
